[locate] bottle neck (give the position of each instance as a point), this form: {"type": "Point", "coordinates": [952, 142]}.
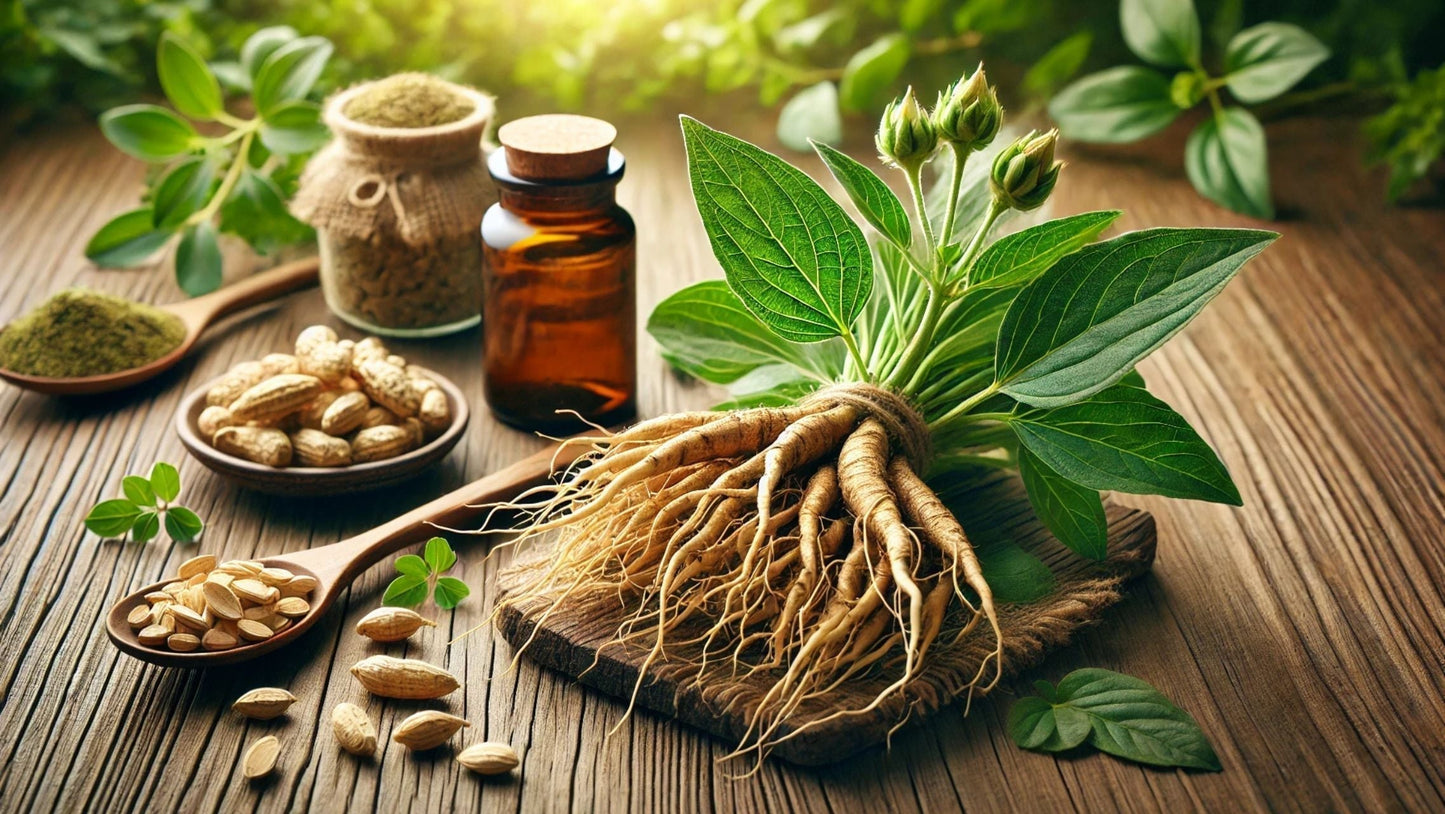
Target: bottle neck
{"type": "Point", "coordinates": [584, 197]}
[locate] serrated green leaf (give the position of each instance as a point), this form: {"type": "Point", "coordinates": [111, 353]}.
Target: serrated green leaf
{"type": "Point", "coordinates": [1083, 324]}
{"type": "Point", "coordinates": [412, 565]}
{"type": "Point", "coordinates": [186, 79]}
{"type": "Point", "coordinates": [1014, 574]}
{"type": "Point", "coordinates": [147, 525]}
{"type": "Point", "coordinates": [112, 518]}
{"type": "Point", "coordinates": [148, 132]}
{"type": "Point", "coordinates": [1025, 254]}
{"type": "Point", "coordinates": [289, 73]}
{"type": "Point", "coordinates": [182, 192]}
{"type": "Point", "coordinates": [262, 44]}
{"type": "Point", "coordinates": [1264, 61]}
{"type": "Point", "coordinates": [294, 127]}
{"type": "Point", "coordinates": [871, 71]}
{"type": "Point", "coordinates": [127, 240]}
{"type": "Point", "coordinates": [811, 115]}
{"type": "Point", "coordinates": [1162, 32]}
{"type": "Point", "coordinates": [450, 592]}
{"type": "Point", "coordinates": [1133, 720]}
{"type": "Point", "coordinates": [790, 252]}
{"type": "Point", "coordinates": [1073, 513]}
{"type": "Point", "coordinates": [182, 524]}
{"type": "Point", "coordinates": [165, 481]}
{"type": "Point", "coordinates": [1115, 106]}
{"type": "Point", "coordinates": [1227, 162]}
{"type": "Point", "coordinates": [138, 490]}
{"type": "Point", "coordinates": [406, 591]}
{"type": "Point", "coordinates": [439, 555]}
{"type": "Point", "coordinates": [875, 201]}
{"type": "Point", "coordinates": [198, 260]}
{"type": "Point", "coordinates": [1126, 440]}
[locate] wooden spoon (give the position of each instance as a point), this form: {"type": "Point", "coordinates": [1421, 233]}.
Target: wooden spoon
{"type": "Point", "coordinates": [335, 566]}
{"type": "Point", "coordinates": [197, 314]}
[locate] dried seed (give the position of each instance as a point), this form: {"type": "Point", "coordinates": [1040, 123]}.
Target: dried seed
{"type": "Point", "coordinates": [212, 419]}
{"type": "Point", "coordinates": [378, 417]}
{"type": "Point", "coordinates": [139, 617]}
{"type": "Point", "coordinates": [156, 597]}
{"type": "Point", "coordinates": [427, 729]}
{"type": "Point", "coordinates": [379, 443]}
{"type": "Point", "coordinates": [220, 578]}
{"type": "Point", "coordinates": [300, 585]}
{"type": "Point", "coordinates": [252, 590]}
{"type": "Point", "coordinates": [236, 381]}
{"type": "Point", "coordinates": [196, 565]}
{"type": "Point", "coordinates": [489, 758]}
{"type": "Point", "coordinates": [345, 414]}
{"type": "Point", "coordinates": [194, 598]}
{"type": "Point", "coordinates": [391, 624]}
{"type": "Point", "coordinates": [353, 730]}
{"type": "Point", "coordinates": [153, 635]}
{"type": "Point", "coordinates": [388, 386]}
{"type": "Point", "coordinates": [183, 642]}
{"type": "Point", "coordinates": [403, 678]}
{"type": "Point", "coordinates": [277, 363]}
{"type": "Point", "coordinates": [315, 448]}
{"type": "Point", "coordinates": [275, 576]}
{"type": "Point", "coordinates": [173, 588]}
{"type": "Point", "coordinates": [435, 411]}
{"type": "Point", "coordinates": [196, 579]}
{"type": "Point", "coordinates": [189, 618]}
{"type": "Point", "coordinates": [264, 703]}
{"type": "Point", "coordinates": [159, 611]}
{"type": "Point", "coordinates": [312, 336]}
{"type": "Point", "coordinates": [278, 623]}
{"type": "Point", "coordinates": [292, 606]}
{"type": "Point", "coordinates": [168, 621]}
{"type": "Point", "coordinates": [327, 361]}
{"type": "Point", "coordinates": [260, 759]}
{"type": "Point", "coordinates": [263, 445]}
{"type": "Point", "coordinates": [221, 601]}
{"type": "Point", "coordinates": [259, 613]}
{"type": "Point", "coordinates": [218, 639]}
{"type": "Point", "coordinates": [253, 631]}
{"type": "Point", "coordinates": [275, 397]}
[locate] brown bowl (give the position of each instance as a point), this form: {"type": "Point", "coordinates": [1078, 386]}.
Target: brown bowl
{"type": "Point", "coordinates": [315, 480]}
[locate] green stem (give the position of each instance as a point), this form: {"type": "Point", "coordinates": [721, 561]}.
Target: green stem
{"type": "Point", "coordinates": [233, 176]}
{"type": "Point", "coordinates": [960, 157]}
{"type": "Point", "coordinates": [966, 405]}
{"type": "Point", "coordinates": [915, 186]}
{"type": "Point", "coordinates": [852, 345]}
{"type": "Point", "coordinates": [231, 121]}
{"type": "Point", "coordinates": [932, 311]}
{"type": "Point", "coordinates": [975, 246]}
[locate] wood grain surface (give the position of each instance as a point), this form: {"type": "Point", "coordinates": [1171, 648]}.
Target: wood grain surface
{"type": "Point", "coordinates": [1305, 631]}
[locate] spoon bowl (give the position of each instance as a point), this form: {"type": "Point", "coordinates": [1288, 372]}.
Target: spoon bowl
{"type": "Point", "coordinates": [196, 314]}
{"type": "Point", "coordinates": [337, 565]}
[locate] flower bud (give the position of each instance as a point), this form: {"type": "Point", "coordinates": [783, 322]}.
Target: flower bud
{"type": "Point", "coordinates": [968, 113]}
{"type": "Point", "coordinates": [1024, 172]}
{"type": "Point", "coordinates": [905, 135]}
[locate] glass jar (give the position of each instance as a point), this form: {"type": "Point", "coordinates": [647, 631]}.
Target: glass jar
{"type": "Point", "coordinates": [560, 314]}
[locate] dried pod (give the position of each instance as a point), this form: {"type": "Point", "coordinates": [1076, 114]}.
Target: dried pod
{"type": "Point", "coordinates": [293, 607]}
{"type": "Point", "coordinates": [277, 363]}
{"type": "Point", "coordinates": [274, 576]}
{"type": "Point", "coordinates": [377, 417]}
{"type": "Point", "coordinates": [237, 380]}
{"type": "Point", "coordinates": [368, 348]}
{"type": "Point", "coordinates": [221, 600]}
{"type": "Point", "coordinates": [188, 618]}
{"type": "Point", "coordinates": [153, 635]}
{"type": "Point", "coordinates": [314, 409]}
{"type": "Point", "coordinates": [396, 361]}
{"type": "Point", "coordinates": [253, 631]}
{"type": "Point", "coordinates": [388, 386]}
{"type": "Point", "coordinates": [435, 411]}
{"type": "Point", "coordinates": [348, 385]}
{"type": "Point", "coordinates": [414, 426]}
{"type": "Point", "coordinates": [312, 336]}
{"type": "Point", "coordinates": [264, 703]}
{"type": "Point", "coordinates": [264, 445]}
{"type": "Point", "coordinates": [275, 397]}
{"type": "Point", "coordinates": [183, 642]}
{"type": "Point", "coordinates": [327, 361]}
{"type": "Point", "coordinates": [300, 585]}
{"type": "Point", "coordinates": [202, 564]}
{"type": "Point", "coordinates": [212, 419]}
{"type": "Point", "coordinates": [386, 624]}
{"type": "Point", "coordinates": [489, 758]}
{"type": "Point", "coordinates": [379, 443]}
{"type": "Point", "coordinates": [260, 759]}
{"type": "Point", "coordinates": [403, 678]}
{"type": "Point", "coordinates": [427, 729]}
{"type": "Point", "coordinates": [345, 413]}
{"type": "Point", "coordinates": [218, 639]}
{"type": "Point", "coordinates": [353, 730]}
{"type": "Point", "coordinates": [139, 617]}
{"type": "Point", "coordinates": [254, 590]}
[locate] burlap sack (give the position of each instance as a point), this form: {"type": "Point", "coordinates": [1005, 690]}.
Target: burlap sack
{"type": "Point", "coordinates": [420, 183]}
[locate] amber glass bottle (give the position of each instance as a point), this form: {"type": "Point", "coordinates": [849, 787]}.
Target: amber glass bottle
{"type": "Point", "coordinates": [559, 313]}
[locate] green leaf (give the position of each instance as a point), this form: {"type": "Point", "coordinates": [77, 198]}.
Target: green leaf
{"type": "Point", "coordinates": [232, 76]}
{"type": "Point", "coordinates": [790, 252]}
{"type": "Point", "coordinates": [256, 212]}
{"type": "Point", "coordinates": [198, 260]}
{"type": "Point", "coordinates": [289, 73]}
{"type": "Point", "coordinates": [1163, 32]}
{"type": "Point", "coordinates": [1073, 513]}
{"type": "Point", "coordinates": [112, 518]}
{"type": "Point", "coordinates": [1132, 720]}
{"type": "Point", "coordinates": [783, 394]}
{"type": "Point", "coordinates": [182, 192]}
{"type": "Point", "coordinates": [1126, 440]}
{"type": "Point", "coordinates": [872, 71]}
{"type": "Point", "coordinates": [1058, 65]}
{"type": "Point", "coordinates": [147, 525]}
{"type": "Point", "coordinates": [439, 555]}
{"type": "Point", "coordinates": [138, 490]}
{"type": "Point", "coordinates": [1014, 574]}
{"type": "Point", "coordinates": [165, 481]}
{"type": "Point", "coordinates": [706, 331]}
{"type": "Point", "coordinates": [186, 79]}
{"type": "Point", "coordinates": [450, 592]}
{"type": "Point", "coordinates": [182, 524]}
{"type": "Point", "coordinates": [407, 591]}
{"type": "Point", "coordinates": [1024, 255]}
{"type": "Point", "coordinates": [874, 200]}
{"type": "Point", "coordinates": [294, 127]}
{"type": "Point", "coordinates": [1115, 106]}
{"type": "Point", "coordinates": [811, 115]}
{"type": "Point", "coordinates": [917, 13]}
{"type": "Point", "coordinates": [1227, 161]}
{"type": "Point", "coordinates": [262, 44]}
{"type": "Point", "coordinates": [127, 240]}
{"type": "Point", "coordinates": [412, 565]}
{"type": "Point", "coordinates": [1036, 724]}
{"type": "Point", "coordinates": [1083, 324]}
{"type": "Point", "coordinates": [148, 132]}
{"type": "Point", "coordinates": [1264, 61]}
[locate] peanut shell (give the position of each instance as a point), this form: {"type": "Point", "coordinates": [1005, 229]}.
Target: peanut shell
{"type": "Point", "coordinates": [264, 703]}
{"type": "Point", "coordinates": [387, 624]}
{"type": "Point", "coordinates": [388, 386]}
{"type": "Point", "coordinates": [345, 414]}
{"type": "Point", "coordinates": [489, 758]}
{"type": "Point", "coordinates": [275, 397]}
{"type": "Point", "coordinates": [427, 729]}
{"type": "Point", "coordinates": [260, 759]}
{"type": "Point", "coordinates": [353, 730]}
{"type": "Point", "coordinates": [264, 445]}
{"type": "Point", "coordinates": [404, 678]}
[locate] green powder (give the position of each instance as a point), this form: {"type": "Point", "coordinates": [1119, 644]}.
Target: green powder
{"type": "Point", "coordinates": [409, 100]}
{"type": "Point", "coordinates": [79, 332]}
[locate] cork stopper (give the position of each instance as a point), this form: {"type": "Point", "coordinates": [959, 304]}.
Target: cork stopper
{"type": "Point", "coordinates": [557, 147]}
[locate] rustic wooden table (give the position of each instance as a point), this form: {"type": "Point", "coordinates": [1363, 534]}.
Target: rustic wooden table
{"type": "Point", "coordinates": [1305, 631]}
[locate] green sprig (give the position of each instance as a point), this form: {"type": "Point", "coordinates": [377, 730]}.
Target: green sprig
{"type": "Point", "coordinates": [148, 503]}
{"type": "Point", "coordinates": [422, 576]}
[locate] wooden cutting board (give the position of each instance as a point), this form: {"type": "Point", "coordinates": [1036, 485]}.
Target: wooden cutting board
{"type": "Point", "coordinates": [569, 640]}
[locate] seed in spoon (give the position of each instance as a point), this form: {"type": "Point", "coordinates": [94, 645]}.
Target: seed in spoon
{"type": "Point", "coordinates": [253, 631]}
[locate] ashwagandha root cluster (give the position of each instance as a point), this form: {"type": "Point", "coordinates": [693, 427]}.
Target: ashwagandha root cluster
{"type": "Point", "coordinates": [801, 541]}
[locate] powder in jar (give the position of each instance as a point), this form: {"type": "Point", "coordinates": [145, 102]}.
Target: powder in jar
{"type": "Point", "coordinates": [79, 332]}
{"type": "Point", "coordinates": [409, 100]}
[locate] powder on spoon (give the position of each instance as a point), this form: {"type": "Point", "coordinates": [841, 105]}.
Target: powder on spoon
{"type": "Point", "coordinates": [79, 332]}
{"type": "Point", "coordinates": [409, 100]}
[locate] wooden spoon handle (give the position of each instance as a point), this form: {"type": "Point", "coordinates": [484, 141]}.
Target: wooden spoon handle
{"type": "Point", "coordinates": [342, 562]}
{"type": "Point", "coordinates": [258, 288]}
